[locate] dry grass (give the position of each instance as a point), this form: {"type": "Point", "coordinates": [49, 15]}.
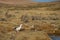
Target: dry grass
{"type": "Point", "coordinates": [32, 36]}
{"type": "Point", "coordinates": [42, 16]}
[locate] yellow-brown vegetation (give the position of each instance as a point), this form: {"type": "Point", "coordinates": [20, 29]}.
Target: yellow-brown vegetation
{"type": "Point", "coordinates": [44, 17]}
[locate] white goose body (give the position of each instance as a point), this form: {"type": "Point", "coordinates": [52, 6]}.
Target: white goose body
{"type": "Point", "coordinates": [19, 28]}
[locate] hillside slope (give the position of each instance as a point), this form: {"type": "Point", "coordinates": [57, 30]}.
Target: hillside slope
{"type": "Point", "coordinates": [16, 1]}
{"type": "Point", "coordinates": [44, 17]}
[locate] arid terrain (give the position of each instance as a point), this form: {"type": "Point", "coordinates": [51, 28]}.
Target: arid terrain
{"type": "Point", "coordinates": [45, 17]}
